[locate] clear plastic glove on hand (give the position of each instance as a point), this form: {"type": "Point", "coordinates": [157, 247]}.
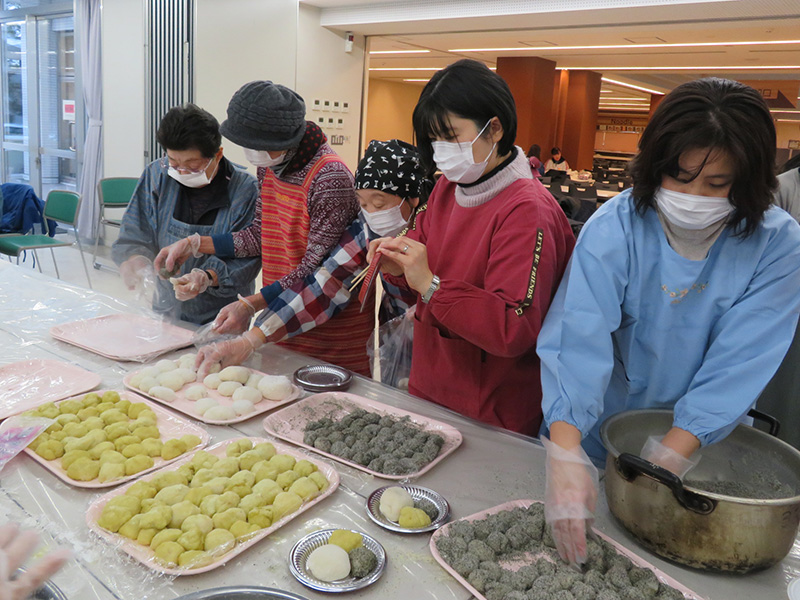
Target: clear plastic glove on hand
{"type": "Point", "coordinates": [569, 499]}
{"type": "Point", "coordinates": [663, 456]}
{"type": "Point", "coordinates": [15, 547]}
{"type": "Point", "coordinates": [169, 259]}
{"type": "Point", "coordinates": [234, 317]}
{"type": "Point", "coordinates": [190, 285]}
{"type": "Point", "coordinates": [227, 352]}
{"type": "Point", "coordinates": [135, 271]}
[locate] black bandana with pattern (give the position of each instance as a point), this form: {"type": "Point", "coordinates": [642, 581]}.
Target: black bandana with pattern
{"type": "Point", "coordinates": [392, 167]}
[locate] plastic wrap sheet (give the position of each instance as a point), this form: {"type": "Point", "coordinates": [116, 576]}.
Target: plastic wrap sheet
{"type": "Point", "coordinates": [57, 510]}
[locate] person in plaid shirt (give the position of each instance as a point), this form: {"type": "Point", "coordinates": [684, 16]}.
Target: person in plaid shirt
{"type": "Point", "coordinates": [392, 189]}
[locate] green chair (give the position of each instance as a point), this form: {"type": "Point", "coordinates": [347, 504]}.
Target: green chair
{"type": "Point", "coordinates": [61, 206]}
{"type": "Point", "coordinates": [112, 192]}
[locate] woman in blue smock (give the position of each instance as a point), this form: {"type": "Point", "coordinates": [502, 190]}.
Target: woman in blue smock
{"type": "Point", "coordinates": [681, 293]}
{"type": "Point", "coordinates": [193, 191]}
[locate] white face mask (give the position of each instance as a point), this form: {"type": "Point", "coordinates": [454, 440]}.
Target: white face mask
{"type": "Point", "coordinates": [387, 222]}
{"type": "Point", "coordinates": [690, 211]}
{"type": "Point", "coordinates": [456, 161]}
{"type": "Point", "coordinates": [193, 180]}
{"type": "Point", "coordinates": [261, 158]}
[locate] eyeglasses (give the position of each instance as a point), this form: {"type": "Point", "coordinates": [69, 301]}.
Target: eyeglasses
{"type": "Point", "coordinates": [165, 164]}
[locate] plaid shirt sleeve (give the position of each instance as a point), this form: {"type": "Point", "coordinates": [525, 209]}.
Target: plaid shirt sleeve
{"type": "Point", "coordinates": [321, 295]}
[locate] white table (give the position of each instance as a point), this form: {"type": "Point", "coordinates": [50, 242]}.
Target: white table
{"type": "Point", "coordinates": [491, 467]}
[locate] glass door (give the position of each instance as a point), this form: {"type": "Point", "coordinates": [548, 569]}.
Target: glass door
{"type": "Point", "coordinates": [39, 104]}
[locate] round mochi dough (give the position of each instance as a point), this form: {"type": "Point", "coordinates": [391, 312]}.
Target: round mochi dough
{"type": "Point", "coordinates": [146, 383]}
{"type": "Point", "coordinates": [240, 374]}
{"type": "Point", "coordinates": [204, 404]}
{"type": "Point", "coordinates": [162, 393]}
{"type": "Point", "coordinates": [166, 365]}
{"type": "Point", "coordinates": [247, 393]}
{"type": "Point", "coordinates": [392, 502]}
{"type": "Point", "coordinates": [329, 563]}
{"type": "Point", "coordinates": [253, 380]}
{"type": "Point", "coordinates": [212, 381]}
{"type": "Point", "coordinates": [136, 379]}
{"type": "Point", "coordinates": [275, 387]}
{"type": "Point", "coordinates": [171, 379]}
{"type": "Point", "coordinates": [196, 392]}
{"type": "Point", "coordinates": [227, 388]}
{"type": "Point", "coordinates": [242, 407]}
{"type": "Point", "coordinates": [220, 413]}
{"type": "Point", "coordinates": [188, 375]}
{"type": "Point", "coordinates": [150, 372]}
{"type": "Point", "coordinates": [187, 360]}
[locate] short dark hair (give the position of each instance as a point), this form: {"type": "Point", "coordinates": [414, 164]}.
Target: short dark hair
{"type": "Point", "coordinates": [189, 127]}
{"type": "Point", "coordinates": [718, 115]}
{"type": "Point", "coordinates": [555, 150]}
{"type": "Point", "coordinates": [534, 150]}
{"type": "Point", "coordinates": [470, 90]}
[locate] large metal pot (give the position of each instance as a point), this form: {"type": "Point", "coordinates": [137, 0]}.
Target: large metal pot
{"type": "Point", "coordinates": [683, 522]}
{"type": "Point", "coordinates": [242, 592]}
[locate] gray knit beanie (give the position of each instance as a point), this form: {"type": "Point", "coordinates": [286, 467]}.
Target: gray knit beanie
{"type": "Point", "coordinates": [265, 116]}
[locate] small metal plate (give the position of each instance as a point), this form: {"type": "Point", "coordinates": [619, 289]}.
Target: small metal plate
{"type": "Point", "coordinates": [241, 593]}
{"type": "Point", "coordinates": [302, 549]}
{"type": "Point", "coordinates": [417, 493]}
{"type": "Point", "coordinates": [48, 590]}
{"type": "Point", "coordinates": [323, 378]}
{"type": "Point", "coordinates": [794, 589]}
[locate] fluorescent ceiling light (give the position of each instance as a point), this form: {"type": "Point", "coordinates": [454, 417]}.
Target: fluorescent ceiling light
{"type": "Point", "coordinates": [685, 68]}
{"type": "Point", "coordinates": [789, 121]}
{"type": "Point", "coordinates": [621, 104]}
{"type": "Point", "coordinates": [418, 80]}
{"type": "Point", "coordinates": [631, 86]}
{"type": "Point", "coordinates": [399, 51]}
{"type": "Point", "coordinates": [621, 109]}
{"type": "Point", "coordinates": [406, 68]}
{"type": "Point", "coordinates": [631, 99]}
{"type": "Point", "coordinates": [627, 46]}
{"type": "Point", "coordinates": [785, 110]}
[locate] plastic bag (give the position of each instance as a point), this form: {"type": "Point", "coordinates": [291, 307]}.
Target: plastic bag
{"type": "Point", "coordinates": [396, 338]}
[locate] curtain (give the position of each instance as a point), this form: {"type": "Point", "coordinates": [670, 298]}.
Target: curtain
{"type": "Point", "coordinates": [87, 20]}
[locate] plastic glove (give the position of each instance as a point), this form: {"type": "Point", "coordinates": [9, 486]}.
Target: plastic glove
{"type": "Point", "coordinates": [228, 352]}
{"type": "Point", "coordinates": [15, 547]}
{"type": "Point", "coordinates": [235, 317]}
{"type": "Point", "coordinates": [135, 270]}
{"type": "Point", "coordinates": [173, 256]}
{"type": "Point", "coordinates": [190, 285]}
{"type": "Point", "coordinates": [663, 456]}
{"type": "Point", "coordinates": [570, 496]}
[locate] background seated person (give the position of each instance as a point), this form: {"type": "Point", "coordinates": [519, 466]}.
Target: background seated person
{"type": "Point", "coordinates": [556, 162]}
{"type": "Point", "coordinates": [192, 191]}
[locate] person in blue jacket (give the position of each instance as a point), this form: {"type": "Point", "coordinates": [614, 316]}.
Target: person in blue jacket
{"type": "Point", "coordinates": [192, 191]}
{"type": "Point", "coordinates": [681, 293]}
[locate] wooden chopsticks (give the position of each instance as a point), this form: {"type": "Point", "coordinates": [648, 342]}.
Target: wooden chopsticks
{"type": "Point", "coordinates": [358, 279]}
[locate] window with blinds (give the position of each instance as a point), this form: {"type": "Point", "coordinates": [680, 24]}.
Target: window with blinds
{"type": "Point", "coordinates": [169, 75]}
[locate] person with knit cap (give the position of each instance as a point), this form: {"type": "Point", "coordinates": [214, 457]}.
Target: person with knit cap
{"type": "Point", "coordinates": [307, 201]}
{"type": "Point", "coordinates": [392, 189]}
{"type": "Point", "coordinates": [485, 258]}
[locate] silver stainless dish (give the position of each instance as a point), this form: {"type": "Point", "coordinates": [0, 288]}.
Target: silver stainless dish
{"type": "Point", "coordinates": [241, 592]}
{"type": "Point", "coordinates": [299, 555]}
{"type": "Point", "coordinates": [323, 378]}
{"type": "Point", "coordinates": [48, 590]}
{"type": "Point", "coordinates": [417, 493]}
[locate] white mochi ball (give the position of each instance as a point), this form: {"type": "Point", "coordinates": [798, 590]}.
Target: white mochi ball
{"type": "Point", "coordinates": [166, 365]}
{"type": "Point", "coordinates": [188, 375]}
{"type": "Point", "coordinates": [240, 374]}
{"type": "Point", "coordinates": [275, 387]}
{"type": "Point", "coordinates": [171, 379]}
{"type": "Point", "coordinates": [147, 383]}
{"type": "Point", "coordinates": [136, 379]}
{"type": "Point", "coordinates": [253, 380]}
{"type": "Point", "coordinates": [150, 372]}
{"type": "Point", "coordinates": [247, 393]}
{"type": "Point", "coordinates": [215, 368]}
{"type": "Point", "coordinates": [329, 563]}
{"type": "Point", "coordinates": [242, 407]}
{"type": "Point", "coordinates": [187, 360]}
{"type": "Point", "coordinates": [220, 413]}
{"type": "Point", "coordinates": [392, 501]}
{"type": "Point", "coordinates": [212, 381]}
{"type": "Point", "coordinates": [195, 392]}
{"type": "Point", "coordinates": [162, 393]}
{"type": "Point", "coordinates": [203, 404]}
{"type": "Point", "coordinates": [226, 388]}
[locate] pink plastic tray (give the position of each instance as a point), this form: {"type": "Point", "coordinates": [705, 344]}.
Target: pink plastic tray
{"type": "Point", "coordinates": [169, 425]}
{"type": "Point", "coordinates": [637, 560]}
{"type": "Point", "coordinates": [146, 556]}
{"type": "Point", "coordinates": [29, 383]}
{"type": "Point", "coordinates": [124, 336]}
{"type": "Point", "coordinates": [289, 424]}
{"type": "Point", "coordinates": [187, 407]}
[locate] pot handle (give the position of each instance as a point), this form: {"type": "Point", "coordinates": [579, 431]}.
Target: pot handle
{"type": "Point", "coordinates": [631, 466]}
{"type": "Point", "coordinates": [772, 422]}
